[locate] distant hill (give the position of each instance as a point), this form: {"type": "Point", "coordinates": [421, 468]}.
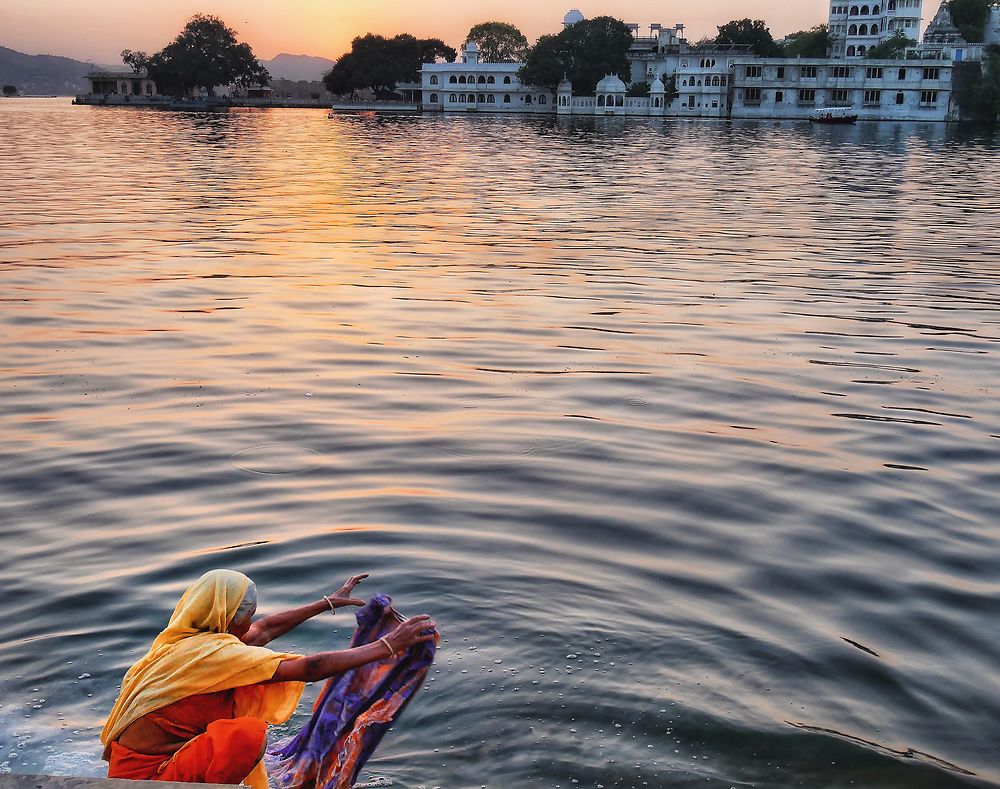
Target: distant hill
{"type": "Point", "coordinates": [298, 67]}
{"type": "Point", "coordinates": [43, 74]}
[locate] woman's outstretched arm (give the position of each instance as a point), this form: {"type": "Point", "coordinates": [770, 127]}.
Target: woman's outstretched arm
{"type": "Point", "coordinates": [324, 665]}
{"type": "Point", "coordinates": [268, 628]}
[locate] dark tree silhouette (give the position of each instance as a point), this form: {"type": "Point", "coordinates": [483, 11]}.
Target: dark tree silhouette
{"type": "Point", "coordinates": [750, 32]}
{"type": "Point", "coordinates": [204, 55]}
{"type": "Point", "coordinates": [499, 42]}
{"type": "Point", "coordinates": [584, 53]}
{"type": "Point", "coordinates": [378, 63]}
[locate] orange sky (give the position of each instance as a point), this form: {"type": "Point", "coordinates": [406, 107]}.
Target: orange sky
{"type": "Point", "coordinates": [100, 30]}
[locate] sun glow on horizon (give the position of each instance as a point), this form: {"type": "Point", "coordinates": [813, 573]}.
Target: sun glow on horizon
{"type": "Point", "coordinates": [324, 28]}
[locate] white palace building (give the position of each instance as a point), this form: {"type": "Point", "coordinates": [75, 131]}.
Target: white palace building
{"type": "Point", "coordinates": [727, 82]}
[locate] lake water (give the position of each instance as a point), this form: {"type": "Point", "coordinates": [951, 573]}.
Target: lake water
{"type": "Point", "coordinates": [686, 433]}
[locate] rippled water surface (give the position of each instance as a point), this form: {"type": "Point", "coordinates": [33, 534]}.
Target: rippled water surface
{"type": "Point", "coordinates": [686, 433]}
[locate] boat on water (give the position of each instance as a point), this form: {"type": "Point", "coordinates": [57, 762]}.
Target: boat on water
{"type": "Point", "coordinates": [833, 115]}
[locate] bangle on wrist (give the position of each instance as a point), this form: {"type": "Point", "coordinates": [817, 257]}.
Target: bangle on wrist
{"type": "Point", "coordinates": [329, 602]}
{"type": "Point", "coordinates": [387, 645]}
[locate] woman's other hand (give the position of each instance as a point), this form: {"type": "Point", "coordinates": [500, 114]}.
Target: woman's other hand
{"type": "Point", "coordinates": [414, 630]}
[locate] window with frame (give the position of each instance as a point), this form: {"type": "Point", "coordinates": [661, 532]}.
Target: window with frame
{"type": "Point", "coordinates": [506, 80]}
{"type": "Point", "coordinates": [753, 72]}
{"type": "Point", "coordinates": [434, 98]}
{"type": "Point", "coordinates": [873, 97]}
{"type": "Point", "coordinates": [873, 72]}
{"type": "Point", "coordinates": [808, 72]}
{"type": "Point", "coordinates": [781, 72]}
{"type": "Point", "coordinates": [902, 73]}
{"type": "Point", "coordinates": [434, 79]}
{"type": "Point", "coordinates": [932, 73]}
{"type": "Point", "coordinates": [807, 96]}
{"type": "Point", "coordinates": [779, 96]}
{"type": "Point", "coordinates": [842, 72]}
{"type": "Point", "coordinates": [840, 96]}
{"type": "Point", "coordinates": [928, 97]}
{"type": "Point", "coordinates": [750, 96]}
{"type": "Point", "coordinates": [900, 98]}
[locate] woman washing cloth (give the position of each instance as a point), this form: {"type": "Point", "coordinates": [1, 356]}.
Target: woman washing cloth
{"type": "Point", "coordinates": [195, 708]}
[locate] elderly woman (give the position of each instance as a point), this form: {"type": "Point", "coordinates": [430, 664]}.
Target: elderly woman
{"type": "Point", "coordinates": [195, 708]}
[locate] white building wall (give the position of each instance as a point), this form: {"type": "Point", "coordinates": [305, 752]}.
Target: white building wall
{"type": "Point", "coordinates": [480, 87]}
{"type": "Point", "coordinates": [858, 25]}
{"type": "Point", "coordinates": [877, 89]}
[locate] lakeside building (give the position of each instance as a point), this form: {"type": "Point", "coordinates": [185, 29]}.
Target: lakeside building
{"type": "Point", "coordinates": [858, 25]}
{"type": "Point", "coordinates": [710, 82]}
{"type": "Point", "coordinates": [471, 85]}
{"type": "Point", "coordinates": [120, 87]}
{"type": "Point", "coordinates": [904, 90]}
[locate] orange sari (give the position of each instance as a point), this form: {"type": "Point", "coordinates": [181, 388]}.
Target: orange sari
{"type": "Point", "coordinates": [220, 747]}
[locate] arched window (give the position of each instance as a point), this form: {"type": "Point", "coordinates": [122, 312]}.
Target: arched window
{"type": "Point", "coordinates": [899, 98]}
{"type": "Point", "coordinates": [491, 99]}
{"type": "Point", "coordinates": [491, 80]}
{"type": "Point", "coordinates": [527, 99]}
{"type": "Point", "coordinates": [434, 98]}
{"type": "Point", "coordinates": [892, 24]}
{"type": "Point", "coordinates": [453, 79]}
{"type": "Point", "coordinates": [506, 80]}
{"type": "Point", "coordinates": [506, 98]}
{"type": "Point", "coordinates": [699, 83]}
{"type": "Point", "coordinates": [482, 79]}
{"type": "Point", "coordinates": [684, 83]}
{"type": "Point", "coordinates": [850, 51]}
{"type": "Point", "coordinates": [462, 79]}
{"type": "Point", "coordinates": [434, 79]}
{"type": "Point", "coordinates": [453, 98]}
{"type": "Point", "coordinates": [861, 51]}
{"type": "Point", "coordinates": [854, 10]}
{"type": "Point", "coordinates": [600, 101]}
{"type": "Point", "coordinates": [482, 97]}
{"type": "Point", "coordinates": [656, 102]}
{"type": "Point", "coordinates": [875, 10]}
{"type": "Point", "coordinates": [863, 30]}
{"type": "Point", "coordinates": [542, 99]}
{"type": "Point", "coordinates": [723, 80]}
{"type": "Point", "coordinates": [864, 10]}
{"type": "Point", "coordinates": [461, 98]}
{"type": "Point", "coordinates": [715, 82]}
{"type": "Point", "coordinates": [852, 30]}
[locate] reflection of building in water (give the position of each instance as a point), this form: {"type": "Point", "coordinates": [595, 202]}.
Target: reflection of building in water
{"type": "Point", "coordinates": [858, 25]}
{"type": "Point", "coordinates": [709, 81]}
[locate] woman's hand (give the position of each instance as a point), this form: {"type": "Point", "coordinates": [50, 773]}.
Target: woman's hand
{"type": "Point", "coordinates": [342, 596]}
{"type": "Point", "coordinates": [413, 631]}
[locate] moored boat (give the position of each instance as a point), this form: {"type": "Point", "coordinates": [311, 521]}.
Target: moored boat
{"type": "Point", "coordinates": [833, 115]}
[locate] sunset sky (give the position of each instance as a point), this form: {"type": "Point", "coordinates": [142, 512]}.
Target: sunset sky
{"type": "Point", "coordinates": [99, 31]}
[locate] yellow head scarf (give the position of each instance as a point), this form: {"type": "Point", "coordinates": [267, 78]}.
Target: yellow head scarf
{"type": "Point", "coordinates": [195, 655]}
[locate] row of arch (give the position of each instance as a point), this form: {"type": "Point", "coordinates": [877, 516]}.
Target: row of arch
{"type": "Point", "coordinates": [463, 80]}
{"type": "Point", "coordinates": [865, 11]}
{"type": "Point", "coordinates": [859, 51]}
{"type": "Point", "coordinates": [482, 98]}
{"type": "Point", "coordinates": [715, 82]}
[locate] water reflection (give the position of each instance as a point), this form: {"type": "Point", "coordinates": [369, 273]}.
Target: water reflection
{"type": "Point", "coordinates": [684, 431]}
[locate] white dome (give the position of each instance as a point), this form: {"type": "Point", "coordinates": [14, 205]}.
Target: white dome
{"type": "Point", "coordinates": [657, 86]}
{"type": "Point", "coordinates": [572, 17]}
{"type": "Point", "coordinates": [565, 84]}
{"type": "Point", "coordinates": [471, 46]}
{"type": "Point", "coordinates": [611, 84]}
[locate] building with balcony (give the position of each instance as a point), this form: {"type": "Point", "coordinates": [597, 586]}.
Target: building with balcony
{"type": "Point", "coordinates": [856, 26]}
{"type": "Point", "coordinates": [790, 88]}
